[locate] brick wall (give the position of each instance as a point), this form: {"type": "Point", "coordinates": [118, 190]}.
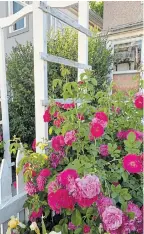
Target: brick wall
{"type": "Point", "coordinates": [122, 12]}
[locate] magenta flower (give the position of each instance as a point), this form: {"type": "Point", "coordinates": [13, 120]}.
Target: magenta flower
{"type": "Point", "coordinates": [132, 163]}
{"type": "Point", "coordinates": [66, 176]}
{"type": "Point", "coordinates": [45, 172]}
{"type": "Point", "coordinates": [30, 188]}
{"type": "Point", "coordinates": [47, 116]}
{"type": "Point", "coordinates": [104, 150]}
{"type": "Point", "coordinates": [135, 209]}
{"type": "Point", "coordinates": [70, 137]}
{"type": "Point", "coordinates": [100, 118]}
{"type": "Point", "coordinates": [102, 203]}
{"type": "Point", "coordinates": [86, 229]}
{"type": "Point", "coordinates": [36, 214]}
{"type": "Point", "coordinates": [58, 143]}
{"type": "Point", "coordinates": [96, 130]}
{"type": "Point", "coordinates": [41, 181]}
{"type": "Point", "coordinates": [53, 187]}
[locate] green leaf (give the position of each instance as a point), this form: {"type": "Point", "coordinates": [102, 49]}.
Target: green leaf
{"type": "Point", "coordinates": [44, 231]}
{"type": "Point", "coordinates": [64, 229]}
{"type": "Point", "coordinates": [58, 228]}
{"type": "Point", "coordinates": [131, 137]}
{"type": "Point", "coordinates": [131, 215]}
{"type": "Point", "coordinates": [89, 212]}
{"type": "Point", "coordinates": [76, 217]}
{"type": "Point", "coordinates": [78, 231]}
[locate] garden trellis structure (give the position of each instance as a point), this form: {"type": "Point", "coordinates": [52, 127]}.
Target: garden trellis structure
{"type": "Point", "coordinates": [10, 205]}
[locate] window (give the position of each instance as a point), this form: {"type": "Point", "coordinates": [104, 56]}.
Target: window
{"type": "Point", "coordinates": [127, 56]}
{"type": "Point", "coordinates": [20, 25]}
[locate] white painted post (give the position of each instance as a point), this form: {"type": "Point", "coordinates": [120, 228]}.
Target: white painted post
{"type": "Point", "coordinates": [83, 19]}
{"type": "Point", "coordinates": [40, 69]}
{"type": "Point", "coordinates": [4, 100]}
{"type": "Point", "coordinates": [5, 186]}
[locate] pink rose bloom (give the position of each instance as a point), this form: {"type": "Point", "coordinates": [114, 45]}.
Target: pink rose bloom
{"type": "Point", "coordinates": [34, 215]}
{"type": "Point", "coordinates": [34, 145]}
{"type": "Point", "coordinates": [132, 163]}
{"type": "Point", "coordinates": [86, 229]}
{"type": "Point", "coordinates": [139, 100]}
{"type": "Point", "coordinates": [102, 203]}
{"type": "Point", "coordinates": [89, 186]}
{"type": "Point", "coordinates": [104, 150]}
{"type": "Point", "coordinates": [100, 118]}
{"type": "Point", "coordinates": [112, 218]}
{"type": "Point", "coordinates": [96, 129]}
{"type": "Point", "coordinates": [72, 227]}
{"type": "Point", "coordinates": [66, 176]}
{"type": "Point", "coordinates": [68, 106]}
{"type": "Point", "coordinates": [41, 181]}
{"type": "Point", "coordinates": [53, 187]}
{"type": "Point", "coordinates": [58, 142]}
{"type": "Point", "coordinates": [56, 157]}
{"type": "Point", "coordinates": [45, 172]}
{"type": "Point", "coordinates": [70, 137]}
{"type": "Point", "coordinates": [47, 116]}
{"type": "Point", "coordinates": [60, 199]}
{"type": "Point", "coordinates": [30, 188]}
{"type": "Point", "coordinates": [135, 209]}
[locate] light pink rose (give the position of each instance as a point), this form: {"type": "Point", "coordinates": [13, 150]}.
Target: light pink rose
{"type": "Point", "coordinates": [112, 218]}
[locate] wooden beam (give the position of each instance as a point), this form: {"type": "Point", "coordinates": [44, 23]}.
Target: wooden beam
{"type": "Point", "coordinates": [60, 60]}
{"type": "Point", "coordinates": [65, 18]}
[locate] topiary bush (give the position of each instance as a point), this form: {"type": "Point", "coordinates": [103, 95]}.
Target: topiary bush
{"type": "Point", "coordinates": [20, 76]}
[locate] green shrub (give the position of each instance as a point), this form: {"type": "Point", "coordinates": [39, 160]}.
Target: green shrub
{"type": "Point", "coordinates": [21, 79]}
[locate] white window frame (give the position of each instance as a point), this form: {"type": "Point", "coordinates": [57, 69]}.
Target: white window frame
{"type": "Point", "coordinates": [10, 12]}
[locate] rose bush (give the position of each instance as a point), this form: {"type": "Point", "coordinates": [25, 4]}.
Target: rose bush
{"type": "Point", "coordinates": [90, 179]}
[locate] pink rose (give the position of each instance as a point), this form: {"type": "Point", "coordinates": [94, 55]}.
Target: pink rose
{"type": "Point", "coordinates": [112, 218]}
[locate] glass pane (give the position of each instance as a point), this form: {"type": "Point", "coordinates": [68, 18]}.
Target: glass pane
{"type": "Point", "coordinates": [19, 24]}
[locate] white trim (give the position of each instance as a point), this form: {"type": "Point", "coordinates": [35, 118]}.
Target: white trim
{"type": "Point", "coordinates": [10, 12]}
{"type": "Point", "coordinates": [123, 40]}
{"type": "Point", "coordinates": [125, 72]}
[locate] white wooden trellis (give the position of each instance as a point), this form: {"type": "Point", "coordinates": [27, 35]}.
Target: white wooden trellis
{"type": "Point", "coordinates": [10, 205]}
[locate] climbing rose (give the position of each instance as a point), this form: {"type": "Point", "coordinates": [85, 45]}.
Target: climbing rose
{"type": "Point", "coordinates": [86, 229]}
{"type": "Point", "coordinates": [104, 150]}
{"type": "Point", "coordinates": [139, 101]}
{"type": "Point", "coordinates": [60, 199]}
{"type": "Point", "coordinates": [124, 134]}
{"type": "Point", "coordinates": [65, 176]}
{"type": "Point", "coordinates": [41, 181]}
{"type": "Point", "coordinates": [96, 130]}
{"type": "Point", "coordinates": [101, 118]}
{"type": "Point", "coordinates": [30, 188]}
{"type": "Point", "coordinates": [45, 172]}
{"type": "Point", "coordinates": [47, 116]}
{"type": "Point", "coordinates": [34, 145]}
{"type": "Point", "coordinates": [34, 215]}
{"type": "Point", "coordinates": [132, 163]}
{"type": "Point", "coordinates": [112, 218]}
{"type": "Point", "coordinates": [70, 137]}
{"type": "Point", "coordinates": [57, 142]}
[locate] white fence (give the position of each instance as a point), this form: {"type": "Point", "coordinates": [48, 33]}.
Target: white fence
{"type": "Point", "coordinates": [10, 203]}
{"type": "Point", "coordinates": [11, 199]}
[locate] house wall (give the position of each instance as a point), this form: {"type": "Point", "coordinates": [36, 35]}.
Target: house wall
{"type": "Point", "coordinates": [122, 12]}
